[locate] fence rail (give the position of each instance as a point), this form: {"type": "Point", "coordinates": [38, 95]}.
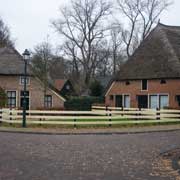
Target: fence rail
{"type": "Point", "coordinates": [98, 116]}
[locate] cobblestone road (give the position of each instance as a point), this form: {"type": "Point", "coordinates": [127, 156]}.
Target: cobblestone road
{"type": "Point", "coordinates": [83, 157]}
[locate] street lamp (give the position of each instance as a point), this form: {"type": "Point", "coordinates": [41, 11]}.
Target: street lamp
{"type": "Point", "coordinates": [26, 58]}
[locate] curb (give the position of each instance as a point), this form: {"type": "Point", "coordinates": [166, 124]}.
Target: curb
{"type": "Point", "coordinates": [89, 133]}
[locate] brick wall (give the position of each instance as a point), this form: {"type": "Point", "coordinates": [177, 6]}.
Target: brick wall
{"type": "Point", "coordinates": [171, 88]}
{"type": "Point", "coordinates": [35, 91]}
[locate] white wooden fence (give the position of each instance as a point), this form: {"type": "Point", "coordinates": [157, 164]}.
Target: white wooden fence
{"type": "Point", "coordinates": [98, 116]}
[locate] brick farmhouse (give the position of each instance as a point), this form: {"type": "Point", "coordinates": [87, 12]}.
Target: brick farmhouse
{"type": "Point", "coordinates": [151, 76]}
{"type": "Point", "coordinates": [12, 82]}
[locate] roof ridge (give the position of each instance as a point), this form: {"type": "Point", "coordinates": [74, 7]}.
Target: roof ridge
{"type": "Point", "coordinates": [170, 26]}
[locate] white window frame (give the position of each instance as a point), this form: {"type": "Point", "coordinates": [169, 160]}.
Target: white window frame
{"type": "Point", "coordinates": [16, 96]}
{"type": "Point", "coordinates": [158, 96]}
{"type": "Point", "coordinates": [123, 95]}
{"type": "Point", "coordinates": [123, 102]}
{"type": "Point", "coordinates": [27, 78]}
{"type": "Point", "coordinates": [163, 95]}
{"type": "Point", "coordinates": [51, 100]}
{"type": "Point", "coordinates": [149, 95]}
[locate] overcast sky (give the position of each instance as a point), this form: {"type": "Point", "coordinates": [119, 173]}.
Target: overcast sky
{"type": "Point", "coordinates": [29, 21]}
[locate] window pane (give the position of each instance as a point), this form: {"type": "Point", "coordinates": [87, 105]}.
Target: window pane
{"type": "Point", "coordinates": [22, 79]}
{"type": "Point", "coordinates": [11, 95]}
{"type": "Point", "coordinates": [164, 101]}
{"type": "Point", "coordinates": [144, 84]}
{"type": "Point", "coordinates": [48, 101]}
{"type": "Point", "coordinates": [127, 101]}
{"type": "Point", "coordinates": [13, 102]}
{"type": "Point", "coordinates": [153, 101]}
{"type": "Point", "coordinates": [118, 101]}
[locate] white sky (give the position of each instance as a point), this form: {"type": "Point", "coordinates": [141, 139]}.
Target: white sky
{"type": "Point", "coordinates": [29, 21]}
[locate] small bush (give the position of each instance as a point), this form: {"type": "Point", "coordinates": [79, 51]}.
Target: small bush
{"type": "Point", "coordinates": [82, 103]}
{"type": "Point", "coordinates": [96, 88]}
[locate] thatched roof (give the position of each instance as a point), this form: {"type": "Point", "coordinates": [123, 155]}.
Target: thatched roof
{"type": "Point", "coordinates": [157, 57]}
{"type": "Point", "coordinates": [11, 62]}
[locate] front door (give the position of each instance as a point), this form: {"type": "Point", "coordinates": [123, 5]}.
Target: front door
{"type": "Point", "coordinates": [142, 101]}
{"type": "Point", "coordinates": [119, 101]}
{"type": "Point", "coordinates": [22, 99]}
{"type": "Point", "coordinates": [27, 103]}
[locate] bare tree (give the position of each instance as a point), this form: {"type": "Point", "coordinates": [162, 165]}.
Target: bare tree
{"type": "Point", "coordinates": [58, 68]}
{"type": "Point", "coordinates": [141, 16]}
{"type": "Point", "coordinates": [5, 36]}
{"type": "Point", "coordinates": [116, 47]}
{"type": "Point", "coordinates": [82, 24]}
{"type": "Point", "coordinates": [102, 56]}
{"type": "Point", "coordinates": [70, 50]}
{"type": "Point", "coordinates": [41, 62]}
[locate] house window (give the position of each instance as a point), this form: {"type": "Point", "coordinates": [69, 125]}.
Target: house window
{"type": "Point", "coordinates": [48, 101]}
{"type": "Point", "coordinates": [163, 101]}
{"type": "Point", "coordinates": [111, 97]}
{"type": "Point", "coordinates": [178, 99]}
{"type": "Point", "coordinates": [163, 81]}
{"type": "Point", "coordinates": [11, 99]}
{"type": "Point", "coordinates": [127, 83]}
{"type": "Point", "coordinates": [126, 101]}
{"type": "Point", "coordinates": [153, 102]}
{"type": "Point", "coordinates": [144, 84]}
{"type": "Point", "coordinates": [122, 101]}
{"type": "Point", "coordinates": [22, 80]}
{"type": "Point", "coordinates": [68, 87]}
{"type": "Point", "coordinates": [158, 101]}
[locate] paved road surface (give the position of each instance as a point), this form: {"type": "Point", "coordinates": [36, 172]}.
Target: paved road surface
{"type": "Point", "coordinates": [83, 157]}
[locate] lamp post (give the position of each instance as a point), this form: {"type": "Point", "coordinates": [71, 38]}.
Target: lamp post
{"type": "Point", "coordinates": [26, 57]}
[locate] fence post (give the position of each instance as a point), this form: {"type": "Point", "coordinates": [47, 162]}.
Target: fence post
{"type": "Point", "coordinates": [10, 115]}
{"type": "Point", "coordinates": [0, 115]}
{"type": "Point", "coordinates": [107, 114]}
{"type": "Point", "coordinates": [139, 113]}
{"type": "Point", "coordinates": [122, 109]}
{"type": "Point", "coordinates": [106, 108]}
{"type": "Point", "coordinates": [110, 115]}
{"type": "Point", "coordinates": [158, 114]}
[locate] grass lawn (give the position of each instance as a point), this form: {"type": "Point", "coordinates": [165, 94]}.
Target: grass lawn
{"type": "Point", "coordinates": [123, 123]}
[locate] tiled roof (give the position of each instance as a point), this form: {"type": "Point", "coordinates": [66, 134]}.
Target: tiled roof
{"type": "Point", "coordinates": [59, 83]}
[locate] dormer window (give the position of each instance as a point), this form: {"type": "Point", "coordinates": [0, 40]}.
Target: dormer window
{"type": "Point", "coordinates": [144, 85]}
{"type": "Point", "coordinates": [22, 80]}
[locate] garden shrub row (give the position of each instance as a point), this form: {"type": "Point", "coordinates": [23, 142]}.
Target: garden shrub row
{"type": "Point", "coordinates": [82, 103]}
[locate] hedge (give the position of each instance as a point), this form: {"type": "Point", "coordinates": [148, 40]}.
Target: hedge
{"type": "Point", "coordinates": [82, 103]}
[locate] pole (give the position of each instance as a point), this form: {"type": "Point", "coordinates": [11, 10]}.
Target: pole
{"type": "Point", "coordinates": [24, 98]}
